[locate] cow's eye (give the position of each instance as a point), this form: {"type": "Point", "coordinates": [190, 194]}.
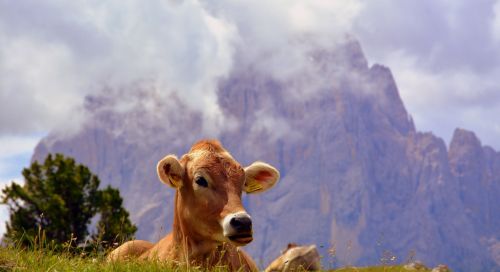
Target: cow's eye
{"type": "Point", "coordinates": [201, 181]}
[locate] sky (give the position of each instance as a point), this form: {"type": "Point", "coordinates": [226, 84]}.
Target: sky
{"type": "Point", "coordinates": [444, 55]}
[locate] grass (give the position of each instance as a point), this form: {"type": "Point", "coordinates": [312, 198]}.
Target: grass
{"type": "Point", "coordinates": [396, 268]}
{"type": "Point", "coordinates": [12, 259]}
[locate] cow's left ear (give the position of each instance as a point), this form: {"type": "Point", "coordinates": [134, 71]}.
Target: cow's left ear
{"type": "Point", "coordinates": [259, 177]}
{"type": "Point", "coordinates": [170, 171]}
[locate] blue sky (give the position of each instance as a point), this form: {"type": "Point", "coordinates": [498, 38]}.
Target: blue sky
{"type": "Point", "coordinates": [15, 153]}
{"type": "Point", "coordinates": [444, 54]}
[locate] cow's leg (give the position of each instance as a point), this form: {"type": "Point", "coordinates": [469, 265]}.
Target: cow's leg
{"type": "Point", "coordinates": [131, 249]}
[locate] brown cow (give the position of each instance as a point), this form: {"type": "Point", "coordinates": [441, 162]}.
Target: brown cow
{"type": "Point", "coordinates": [210, 222]}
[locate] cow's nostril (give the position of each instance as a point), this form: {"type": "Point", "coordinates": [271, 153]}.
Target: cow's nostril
{"type": "Point", "coordinates": [241, 223]}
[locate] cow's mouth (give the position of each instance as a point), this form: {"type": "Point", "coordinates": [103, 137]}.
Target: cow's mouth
{"type": "Point", "coordinates": [241, 238]}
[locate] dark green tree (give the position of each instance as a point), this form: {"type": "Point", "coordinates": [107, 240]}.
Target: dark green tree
{"type": "Point", "coordinates": [114, 225]}
{"type": "Point", "coordinates": [59, 198]}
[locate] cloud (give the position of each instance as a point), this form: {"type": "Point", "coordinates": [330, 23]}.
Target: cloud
{"type": "Point", "coordinates": [54, 53]}
{"type": "Point", "coordinates": [274, 127]}
{"type": "Point", "coordinates": [445, 59]}
{"type": "Point", "coordinates": [52, 58]}
{"type": "Point", "coordinates": [495, 31]}
{"type": "Point", "coordinates": [39, 88]}
{"type": "Point", "coordinates": [443, 34]}
{"type": "Point", "coordinates": [441, 102]}
{"type": "Point", "coordinates": [12, 146]}
{"type": "Point", "coordinates": [57, 53]}
{"type": "Point", "coordinates": [276, 36]}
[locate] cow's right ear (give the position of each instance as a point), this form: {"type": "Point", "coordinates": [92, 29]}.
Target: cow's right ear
{"type": "Point", "coordinates": [170, 171]}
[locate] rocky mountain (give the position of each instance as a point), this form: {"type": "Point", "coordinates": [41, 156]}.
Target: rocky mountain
{"type": "Point", "coordinates": [358, 179]}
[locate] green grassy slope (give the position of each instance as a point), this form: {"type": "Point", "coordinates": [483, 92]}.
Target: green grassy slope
{"type": "Point", "coordinates": [44, 260]}
{"type": "Point", "coordinates": [23, 260]}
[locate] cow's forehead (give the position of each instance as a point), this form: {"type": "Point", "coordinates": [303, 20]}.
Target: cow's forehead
{"type": "Point", "coordinates": [215, 162]}
{"type": "Point", "coordinates": [214, 159]}
{"type": "Point", "coordinates": [207, 145]}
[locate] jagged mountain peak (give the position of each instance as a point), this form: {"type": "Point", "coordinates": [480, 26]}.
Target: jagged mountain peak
{"type": "Point", "coordinates": [462, 137]}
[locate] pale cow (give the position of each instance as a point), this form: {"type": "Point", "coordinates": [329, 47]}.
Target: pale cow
{"type": "Point", "coordinates": [210, 222]}
{"type": "Point", "coordinates": [296, 258]}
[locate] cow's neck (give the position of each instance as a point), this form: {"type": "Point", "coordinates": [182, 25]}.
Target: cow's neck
{"type": "Point", "coordinates": [187, 243]}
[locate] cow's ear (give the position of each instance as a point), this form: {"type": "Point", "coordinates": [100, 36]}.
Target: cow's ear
{"type": "Point", "coordinates": [259, 177]}
{"type": "Point", "coordinates": [170, 171]}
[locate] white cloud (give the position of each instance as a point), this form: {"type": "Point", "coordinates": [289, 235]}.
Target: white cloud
{"type": "Point", "coordinates": [4, 216]}
{"type": "Point", "coordinates": [275, 36]}
{"type": "Point", "coordinates": [4, 209]}
{"type": "Point", "coordinates": [54, 57]}
{"type": "Point", "coordinates": [53, 53]}
{"type": "Point", "coordinates": [441, 102]}
{"type": "Point", "coordinates": [274, 127]}
{"type": "Point", "coordinates": [322, 16]}
{"type": "Point", "coordinates": [496, 21]}
{"type": "Point", "coordinates": [50, 60]}
{"type": "Point", "coordinates": [445, 59]}
{"type": "Point", "coordinates": [39, 82]}
{"type": "Point", "coordinates": [11, 146]}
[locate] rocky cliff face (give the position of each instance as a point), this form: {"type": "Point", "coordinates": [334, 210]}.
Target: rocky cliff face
{"type": "Point", "coordinates": [357, 179]}
{"type": "Point", "coordinates": [476, 169]}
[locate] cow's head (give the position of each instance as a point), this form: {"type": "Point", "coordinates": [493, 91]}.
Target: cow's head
{"type": "Point", "coordinates": [210, 184]}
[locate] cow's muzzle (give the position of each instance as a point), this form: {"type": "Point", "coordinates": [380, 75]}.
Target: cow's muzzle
{"type": "Point", "coordinates": [238, 228]}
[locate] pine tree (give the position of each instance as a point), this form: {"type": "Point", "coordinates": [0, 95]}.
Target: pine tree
{"type": "Point", "coordinates": [114, 225]}
{"type": "Point", "coordinates": [59, 199]}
